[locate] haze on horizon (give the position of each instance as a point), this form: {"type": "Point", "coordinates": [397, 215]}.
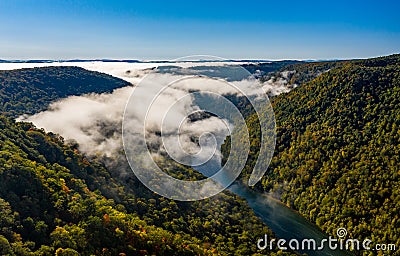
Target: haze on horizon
{"type": "Point", "coordinates": [160, 30]}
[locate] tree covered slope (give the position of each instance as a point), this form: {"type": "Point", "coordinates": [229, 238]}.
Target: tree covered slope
{"type": "Point", "coordinates": [47, 208]}
{"type": "Point", "coordinates": [31, 90]}
{"type": "Point", "coordinates": [337, 156]}
{"type": "Point", "coordinates": [55, 200]}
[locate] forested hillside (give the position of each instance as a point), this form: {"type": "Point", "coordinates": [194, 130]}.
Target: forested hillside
{"type": "Point", "coordinates": [299, 73]}
{"type": "Point", "coordinates": [338, 149]}
{"type": "Point", "coordinates": [47, 208]}
{"type": "Point", "coordinates": [270, 67]}
{"type": "Point", "coordinates": [31, 90]}
{"type": "Point", "coordinates": [54, 200]}
{"type": "Point", "coordinates": [336, 162]}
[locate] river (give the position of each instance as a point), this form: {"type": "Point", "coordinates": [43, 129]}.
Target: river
{"type": "Point", "coordinates": [283, 221]}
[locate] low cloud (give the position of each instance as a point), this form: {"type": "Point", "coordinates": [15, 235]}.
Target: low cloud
{"type": "Point", "coordinates": [279, 83]}
{"type": "Point", "coordinates": [95, 120]}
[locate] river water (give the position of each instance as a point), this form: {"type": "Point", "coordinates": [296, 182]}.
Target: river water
{"type": "Point", "coordinates": [283, 221]}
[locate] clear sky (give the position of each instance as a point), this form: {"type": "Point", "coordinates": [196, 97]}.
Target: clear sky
{"type": "Point", "coordinates": [66, 29]}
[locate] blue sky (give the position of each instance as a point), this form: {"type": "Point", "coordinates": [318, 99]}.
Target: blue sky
{"type": "Point", "coordinates": [50, 29]}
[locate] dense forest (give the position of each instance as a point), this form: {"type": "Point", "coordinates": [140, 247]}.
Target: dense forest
{"type": "Point", "coordinates": [56, 201]}
{"type": "Point", "coordinates": [336, 162]}
{"type": "Point", "coordinates": [31, 90]}
{"type": "Point", "coordinates": [268, 68]}
{"type": "Point", "coordinates": [338, 148]}
{"type": "Point", "coordinates": [298, 73]}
